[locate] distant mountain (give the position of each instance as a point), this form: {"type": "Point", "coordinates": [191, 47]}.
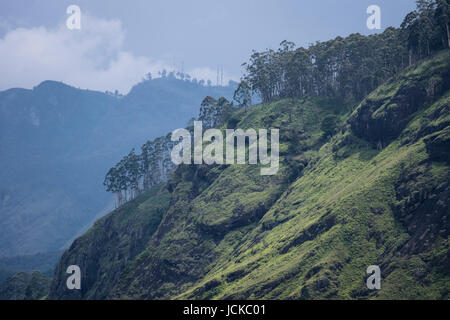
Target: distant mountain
{"type": "Point", "coordinates": [57, 142]}
{"type": "Point", "coordinates": [43, 262]}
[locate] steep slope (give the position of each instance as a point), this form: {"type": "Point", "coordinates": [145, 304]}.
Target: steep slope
{"type": "Point", "coordinates": [56, 143]}
{"type": "Point", "coordinates": [376, 193]}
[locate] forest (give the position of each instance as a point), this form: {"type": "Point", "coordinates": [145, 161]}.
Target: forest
{"type": "Point", "coordinates": [346, 69]}
{"type": "Point", "coordinates": [349, 68]}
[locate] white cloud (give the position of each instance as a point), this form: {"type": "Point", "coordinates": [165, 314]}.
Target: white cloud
{"type": "Point", "coordinates": [93, 57]}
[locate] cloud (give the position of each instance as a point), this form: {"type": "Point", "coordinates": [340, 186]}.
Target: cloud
{"type": "Point", "coordinates": [93, 57]}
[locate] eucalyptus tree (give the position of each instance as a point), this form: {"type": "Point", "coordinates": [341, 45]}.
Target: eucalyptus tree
{"type": "Point", "coordinates": [208, 111]}
{"type": "Point", "coordinates": [243, 94]}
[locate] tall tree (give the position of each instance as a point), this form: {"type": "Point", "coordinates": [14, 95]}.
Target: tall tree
{"type": "Point", "coordinates": [443, 18]}
{"type": "Point", "coordinates": [208, 111]}
{"type": "Point", "coordinates": [243, 94]}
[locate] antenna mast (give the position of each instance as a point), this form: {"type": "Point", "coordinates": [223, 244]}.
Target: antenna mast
{"type": "Point", "coordinates": [217, 76]}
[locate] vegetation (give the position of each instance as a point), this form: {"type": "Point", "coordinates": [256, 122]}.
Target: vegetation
{"type": "Point", "coordinates": [337, 205]}
{"type": "Point", "coordinates": [344, 68]}
{"type": "Point", "coordinates": [351, 67]}
{"type": "Point", "coordinates": [57, 142]}
{"type": "Point", "coordinates": [43, 262]}
{"type": "Point", "coordinates": [25, 286]}
{"type": "Point", "coordinates": [136, 173]}
{"type": "Point", "coordinates": [364, 180]}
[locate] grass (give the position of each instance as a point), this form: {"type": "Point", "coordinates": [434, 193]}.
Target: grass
{"type": "Point", "coordinates": [337, 206]}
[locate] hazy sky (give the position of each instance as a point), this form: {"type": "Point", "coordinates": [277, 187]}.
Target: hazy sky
{"type": "Point", "coordinates": [120, 41]}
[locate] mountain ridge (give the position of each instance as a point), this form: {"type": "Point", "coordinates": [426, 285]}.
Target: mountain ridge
{"type": "Point", "coordinates": [338, 205]}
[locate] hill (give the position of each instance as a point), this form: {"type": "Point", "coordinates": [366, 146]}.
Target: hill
{"type": "Point", "coordinates": [370, 187]}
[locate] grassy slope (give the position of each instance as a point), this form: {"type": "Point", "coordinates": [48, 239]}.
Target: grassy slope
{"type": "Point", "coordinates": [336, 207]}
{"type": "Point", "coordinates": [354, 186]}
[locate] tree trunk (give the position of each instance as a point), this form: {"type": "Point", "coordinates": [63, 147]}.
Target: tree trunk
{"type": "Point", "coordinates": [410, 57]}
{"type": "Point", "coordinates": [448, 35]}
{"type": "Point", "coordinates": [119, 198]}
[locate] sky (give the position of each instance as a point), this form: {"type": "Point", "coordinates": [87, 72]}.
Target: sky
{"type": "Point", "coordinates": [120, 41]}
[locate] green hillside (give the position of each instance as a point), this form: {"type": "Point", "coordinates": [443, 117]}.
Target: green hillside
{"type": "Point", "coordinates": [370, 187]}
{"type": "Point", "coordinates": [25, 286]}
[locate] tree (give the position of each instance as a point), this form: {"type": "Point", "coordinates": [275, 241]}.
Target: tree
{"type": "Point", "coordinates": [443, 17]}
{"type": "Point", "coordinates": [147, 151]}
{"type": "Point", "coordinates": [224, 109]}
{"type": "Point", "coordinates": [243, 94]}
{"type": "Point", "coordinates": [111, 183]}
{"type": "Point", "coordinates": [351, 67]}
{"type": "Point", "coordinates": [411, 29]}
{"type": "Point", "coordinates": [208, 111]}
{"type": "Point", "coordinates": [328, 125]}
{"type": "Point", "coordinates": [298, 73]}
{"type": "Point", "coordinates": [122, 181]}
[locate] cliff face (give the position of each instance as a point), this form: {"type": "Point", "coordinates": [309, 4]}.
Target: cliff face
{"type": "Point", "coordinates": [384, 114]}
{"type": "Point", "coordinates": [376, 193]}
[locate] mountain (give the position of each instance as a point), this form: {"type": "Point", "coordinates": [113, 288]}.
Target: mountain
{"type": "Point", "coordinates": [370, 187]}
{"type": "Point", "coordinates": [57, 142]}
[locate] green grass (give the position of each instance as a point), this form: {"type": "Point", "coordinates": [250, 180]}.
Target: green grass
{"type": "Point", "coordinates": [337, 206]}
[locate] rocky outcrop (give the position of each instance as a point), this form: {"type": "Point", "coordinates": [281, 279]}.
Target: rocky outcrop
{"type": "Point", "coordinates": [422, 208]}
{"type": "Point", "coordinates": [380, 122]}
{"type": "Point", "coordinates": [382, 116]}
{"type": "Point", "coordinates": [438, 145]}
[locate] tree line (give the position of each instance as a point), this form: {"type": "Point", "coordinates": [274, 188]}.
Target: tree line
{"type": "Point", "coordinates": [350, 67]}
{"type": "Point", "coordinates": [136, 173]}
